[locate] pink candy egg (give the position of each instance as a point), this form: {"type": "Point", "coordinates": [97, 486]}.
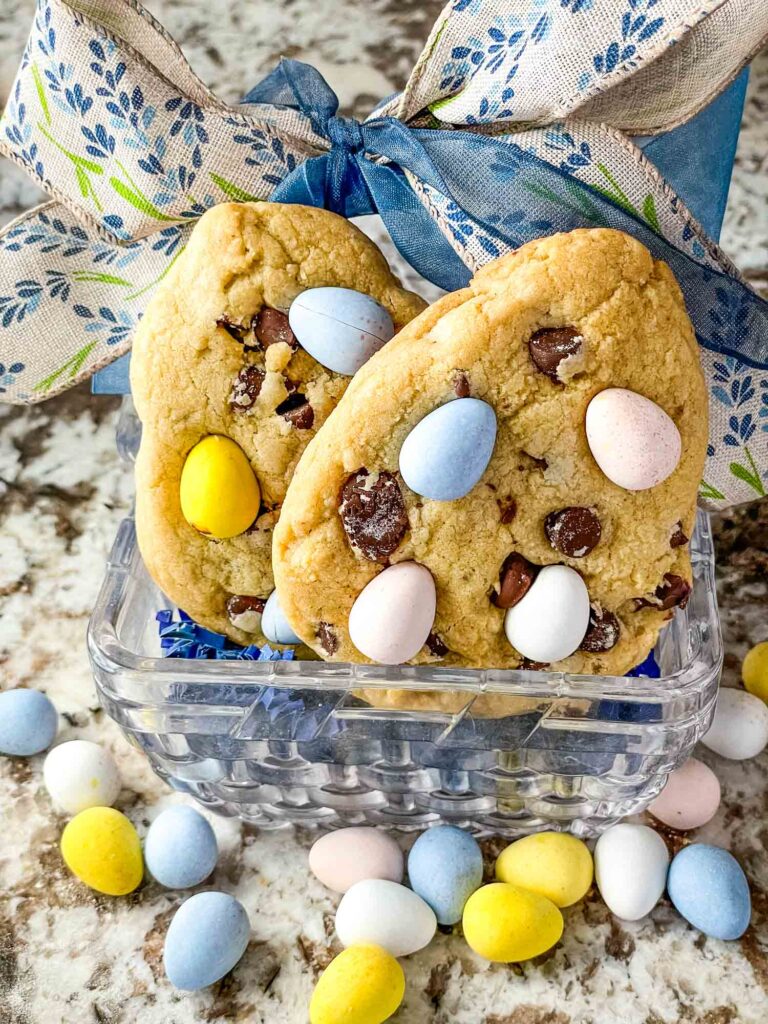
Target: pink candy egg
{"type": "Point", "coordinates": [340, 859]}
{"type": "Point", "coordinates": [690, 798]}
{"type": "Point", "coordinates": [634, 442]}
{"type": "Point", "coordinates": [393, 615]}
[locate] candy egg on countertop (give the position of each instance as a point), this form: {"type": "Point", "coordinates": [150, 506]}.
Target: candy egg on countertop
{"type": "Point", "coordinates": [394, 613]}
{"type": "Point", "coordinates": [710, 890]}
{"type": "Point", "coordinates": [385, 914]}
{"type": "Point", "coordinates": [274, 624]}
{"type": "Point", "coordinates": [342, 858]}
{"type": "Point", "coordinates": [206, 938]}
{"type": "Point", "coordinates": [740, 727]}
{"type": "Point", "coordinates": [631, 863]}
{"type": "Point", "coordinates": [445, 866]}
{"type": "Point", "coordinates": [363, 985]}
{"type": "Point", "coordinates": [339, 327]}
{"type": "Point", "coordinates": [754, 671]}
{"type": "Point", "coordinates": [506, 924]}
{"type": "Point", "coordinates": [551, 619]}
{"type": "Point", "coordinates": [553, 864]}
{"type": "Point", "coordinates": [80, 774]}
{"type": "Point", "coordinates": [633, 440]}
{"type": "Point", "coordinates": [28, 722]}
{"type": "Point", "coordinates": [447, 452]}
{"type": "Point", "coordinates": [218, 491]}
{"type": "Point", "coordinates": [690, 797]}
{"type": "Point", "coordinates": [102, 848]}
{"type": "Point", "coordinates": [180, 848]}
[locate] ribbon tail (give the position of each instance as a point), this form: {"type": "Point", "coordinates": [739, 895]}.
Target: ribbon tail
{"type": "Point", "coordinates": [297, 86]}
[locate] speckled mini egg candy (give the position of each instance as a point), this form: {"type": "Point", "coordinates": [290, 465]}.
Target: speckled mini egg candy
{"type": "Point", "coordinates": [180, 849]}
{"type": "Point", "coordinates": [754, 671]}
{"type": "Point", "coordinates": [339, 327]}
{"type": "Point", "coordinates": [710, 890]}
{"type": "Point", "coordinates": [342, 858]}
{"type": "Point", "coordinates": [553, 864]}
{"type": "Point", "coordinates": [393, 614]}
{"type": "Point", "coordinates": [385, 914]}
{"type": "Point", "coordinates": [631, 863]}
{"type": "Point", "coordinates": [218, 491]}
{"type": "Point", "coordinates": [274, 624]}
{"type": "Point", "coordinates": [633, 440]}
{"type": "Point", "coordinates": [445, 866]}
{"type": "Point", "coordinates": [690, 797]}
{"type": "Point", "coordinates": [739, 729]}
{"type": "Point", "coordinates": [551, 619]}
{"type": "Point", "coordinates": [206, 938]}
{"type": "Point", "coordinates": [447, 452]}
{"type": "Point", "coordinates": [28, 722]}
{"type": "Point", "coordinates": [80, 774]}
{"type": "Point", "coordinates": [506, 924]}
{"type": "Point", "coordinates": [101, 847]}
{"type": "Point", "coordinates": [362, 985]}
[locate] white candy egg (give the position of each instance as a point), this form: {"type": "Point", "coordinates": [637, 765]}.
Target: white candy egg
{"type": "Point", "coordinates": [634, 442]}
{"type": "Point", "coordinates": [550, 621]}
{"type": "Point", "coordinates": [80, 774]}
{"type": "Point", "coordinates": [339, 327]}
{"type": "Point", "coordinates": [740, 727]}
{"type": "Point", "coordinates": [385, 914]}
{"type": "Point", "coordinates": [631, 863]}
{"type": "Point", "coordinates": [393, 615]}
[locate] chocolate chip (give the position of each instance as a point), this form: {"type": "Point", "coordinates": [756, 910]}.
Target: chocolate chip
{"type": "Point", "coordinates": [373, 514]}
{"type": "Point", "coordinates": [461, 384]}
{"type": "Point", "coordinates": [247, 387]}
{"type": "Point", "coordinates": [573, 531]}
{"type": "Point", "coordinates": [436, 646]}
{"type": "Point", "coordinates": [244, 611]}
{"type": "Point", "coordinates": [507, 510]}
{"type": "Point", "coordinates": [327, 638]}
{"type": "Point", "coordinates": [271, 327]}
{"type": "Point", "coordinates": [515, 579]}
{"type": "Point", "coordinates": [672, 592]}
{"type": "Point", "coordinates": [678, 537]}
{"type": "Point", "coordinates": [603, 631]}
{"type": "Point", "coordinates": [533, 666]}
{"type": "Point", "coordinates": [239, 332]}
{"type": "Point", "coordinates": [551, 345]}
{"type": "Point", "coordinates": [297, 410]}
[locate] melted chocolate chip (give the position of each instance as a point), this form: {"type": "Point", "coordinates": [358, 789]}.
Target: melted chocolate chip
{"type": "Point", "coordinates": [244, 611]}
{"type": "Point", "coordinates": [672, 592]}
{"type": "Point", "coordinates": [551, 345]}
{"type": "Point", "coordinates": [271, 327]}
{"type": "Point", "coordinates": [507, 510]}
{"type": "Point", "coordinates": [373, 514]}
{"type": "Point", "coordinates": [297, 410]}
{"type": "Point", "coordinates": [515, 579]}
{"type": "Point", "coordinates": [533, 666]}
{"type": "Point", "coordinates": [436, 646]}
{"type": "Point", "coordinates": [461, 384]}
{"type": "Point", "coordinates": [573, 531]}
{"type": "Point", "coordinates": [246, 388]}
{"type": "Point", "coordinates": [677, 538]}
{"type": "Point", "coordinates": [327, 638]}
{"type": "Point", "coordinates": [239, 332]}
{"type": "Point", "coordinates": [603, 631]}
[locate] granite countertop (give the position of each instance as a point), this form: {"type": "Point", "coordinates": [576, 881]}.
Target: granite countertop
{"type": "Point", "coordinates": [70, 956]}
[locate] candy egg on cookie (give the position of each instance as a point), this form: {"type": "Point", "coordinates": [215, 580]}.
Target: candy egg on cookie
{"type": "Point", "coordinates": [341, 328]}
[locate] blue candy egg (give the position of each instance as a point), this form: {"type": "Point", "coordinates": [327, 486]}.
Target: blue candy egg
{"type": "Point", "coordinates": [28, 722]}
{"type": "Point", "coordinates": [180, 849]}
{"type": "Point", "coordinates": [448, 451]}
{"type": "Point", "coordinates": [339, 327]}
{"type": "Point", "coordinates": [206, 938]}
{"type": "Point", "coordinates": [710, 890]}
{"type": "Point", "coordinates": [274, 624]}
{"type": "Point", "coordinates": [445, 866]}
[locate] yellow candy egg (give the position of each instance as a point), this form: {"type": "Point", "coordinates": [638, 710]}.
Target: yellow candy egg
{"type": "Point", "coordinates": [552, 864]}
{"type": "Point", "coordinates": [754, 671]}
{"type": "Point", "coordinates": [506, 924]}
{"type": "Point", "coordinates": [363, 985]}
{"type": "Point", "coordinates": [101, 847]}
{"type": "Point", "coordinates": [220, 495]}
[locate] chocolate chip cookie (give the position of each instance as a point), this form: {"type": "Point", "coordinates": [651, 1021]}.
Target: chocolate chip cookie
{"type": "Point", "coordinates": [215, 357]}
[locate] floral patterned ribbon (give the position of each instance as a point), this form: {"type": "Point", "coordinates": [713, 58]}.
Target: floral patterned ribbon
{"type": "Point", "coordinates": [107, 116]}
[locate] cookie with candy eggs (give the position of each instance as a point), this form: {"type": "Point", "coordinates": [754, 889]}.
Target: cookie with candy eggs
{"type": "Point", "coordinates": [240, 357]}
{"type": "Point", "coordinates": [511, 481]}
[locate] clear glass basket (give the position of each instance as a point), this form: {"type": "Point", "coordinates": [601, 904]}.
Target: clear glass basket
{"type": "Point", "coordinates": [279, 743]}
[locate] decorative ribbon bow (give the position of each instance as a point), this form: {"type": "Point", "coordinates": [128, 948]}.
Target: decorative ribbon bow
{"type": "Point", "coordinates": [479, 154]}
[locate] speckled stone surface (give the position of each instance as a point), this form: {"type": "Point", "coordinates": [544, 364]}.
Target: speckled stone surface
{"type": "Point", "coordinates": [68, 956]}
